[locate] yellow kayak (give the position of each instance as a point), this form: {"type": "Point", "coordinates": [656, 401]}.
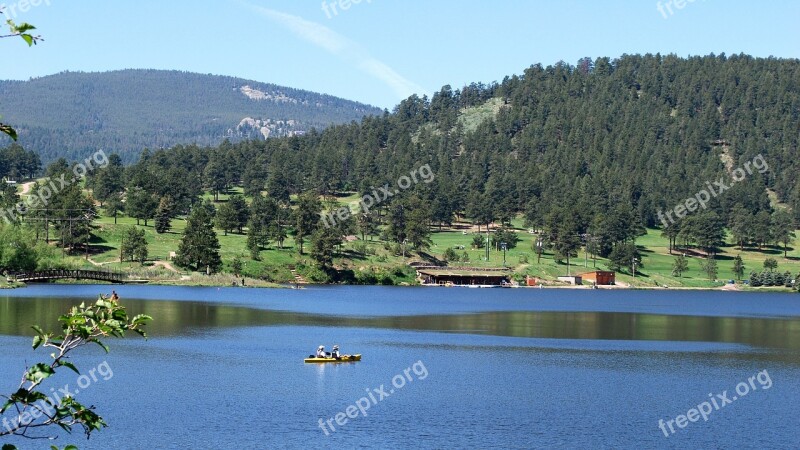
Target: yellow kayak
{"type": "Point", "coordinates": [343, 358]}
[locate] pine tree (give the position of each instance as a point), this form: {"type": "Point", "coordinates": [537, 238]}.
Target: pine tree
{"type": "Point", "coordinates": [783, 229]}
{"type": "Point", "coordinates": [741, 225]}
{"type": "Point", "coordinates": [242, 212]}
{"type": "Point", "coordinates": [323, 245]}
{"type": "Point", "coordinates": [134, 245]}
{"type": "Point", "coordinates": [114, 206]}
{"type": "Point", "coordinates": [755, 279]}
{"type": "Point", "coordinates": [163, 216]}
{"type": "Point", "coordinates": [738, 267]}
{"type": "Point", "coordinates": [778, 279]}
{"type": "Point", "coordinates": [623, 256]}
{"type": "Point", "coordinates": [417, 224]}
{"type": "Point", "coordinates": [227, 218]}
{"type": "Point", "coordinates": [236, 265]}
{"type": "Point", "coordinates": [253, 244]}
{"type": "Point", "coordinates": [709, 266]}
{"type": "Point", "coordinates": [307, 216]}
{"type": "Point", "coordinates": [679, 266]}
{"type": "Point", "coordinates": [140, 205]}
{"type": "Point", "coordinates": [199, 247]}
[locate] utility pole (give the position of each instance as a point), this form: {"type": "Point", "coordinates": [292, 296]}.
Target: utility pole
{"type": "Point", "coordinates": [504, 246]}
{"type": "Point", "coordinates": [487, 242]}
{"type": "Point", "coordinates": [585, 250]}
{"type": "Point", "coordinates": [539, 244]}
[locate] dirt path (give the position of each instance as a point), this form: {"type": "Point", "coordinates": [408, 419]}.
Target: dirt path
{"type": "Point", "coordinates": [165, 265]}
{"type": "Point", "coordinates": [26, 187]}
{"type": "Point", "coordinates": [95, 263]}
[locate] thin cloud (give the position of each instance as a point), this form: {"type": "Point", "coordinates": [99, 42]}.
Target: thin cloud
{"type": "Point", "coordinates": [336, 44]}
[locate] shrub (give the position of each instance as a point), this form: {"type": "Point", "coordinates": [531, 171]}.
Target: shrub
{"type": "Point", "coordinates": [755, 279]}
{"type": "Point", "coordinates": [778, 279]}
{"type": "Point", "coordinates": [360, 247]}
{"type": "Point", "coordinates": [365, 277]}
{"type": "Point", "coordinates": [510, 237]}
{"type": "Point", "coordinates": [450, 255]}
{"type": "Point", "coordinates": [397, 249]}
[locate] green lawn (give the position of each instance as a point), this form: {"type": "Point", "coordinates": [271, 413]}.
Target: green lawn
{"type": "Point", "coordinates": [656, 269]}
{"type": "Point", "coordinates": [383, 259]}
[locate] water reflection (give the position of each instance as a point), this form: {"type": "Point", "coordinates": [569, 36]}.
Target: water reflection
{"type": "Point", "coordinates": [180, 318]}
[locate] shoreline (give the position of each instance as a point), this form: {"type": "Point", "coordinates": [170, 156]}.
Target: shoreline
{"type": "Point", "coordinates": [260, 284]}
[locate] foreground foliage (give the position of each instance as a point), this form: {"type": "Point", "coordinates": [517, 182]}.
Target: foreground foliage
{"type": "Point", "coordinates": [31, 409]}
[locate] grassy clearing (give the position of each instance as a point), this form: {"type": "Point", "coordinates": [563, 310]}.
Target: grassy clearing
{"type": "Point", "coordinates": [374, 261]}
{"type": "Point", "coordinates": [656, 269]}
{"type": "Point", "coordinates": [475, 115]}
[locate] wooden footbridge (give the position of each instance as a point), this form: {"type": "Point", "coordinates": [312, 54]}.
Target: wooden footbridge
{"type": "Point", "coordinates": [60, 274]}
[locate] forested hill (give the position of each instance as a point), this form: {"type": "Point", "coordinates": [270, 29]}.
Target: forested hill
{"type": "Point", "coordinates": [599, 147]}
{"type": "Point", "coordinates": [604, 142]}
{"type": "Point", "coordinates": [126, 111]}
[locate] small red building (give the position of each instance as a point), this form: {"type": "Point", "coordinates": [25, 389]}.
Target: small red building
{"type": "Point", "coordinates": [600, 277]}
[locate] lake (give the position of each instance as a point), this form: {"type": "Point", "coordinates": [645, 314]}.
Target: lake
{"type": "Point", "coordinates": [441, 368]}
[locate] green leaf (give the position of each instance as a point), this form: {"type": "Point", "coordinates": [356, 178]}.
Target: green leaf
{"type": "Point", "coordinates": [141, 319]}
{"type": "Point", "coordinates": [37, 341]}
{"type": "Point", "coordinates": [26, 397]}
{"type": "Point", "coordinates": [28, 38]}
{"type": "Point", "coordinates": [96, 341]}
{"type": "Point", "coordinates": [70, 365]}
{"type": "Point", "coordinates": [23, 27]}
{"type": "Point", "coordinates": [140, 332]}
{"type": "Point", "coordinates": [39, 372]}
{"type": "Point", "coordinates": [8, 403]}
{"type": "Point", "coordinates": [120, 314]}
{"type": "Point", "coordinates": [9, 447]}
{"type": "Point", "coordinates": [8, 130]}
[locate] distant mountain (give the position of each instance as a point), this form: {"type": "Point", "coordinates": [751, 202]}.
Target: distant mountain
{"type": "Point", "coordinates": [71, 114]}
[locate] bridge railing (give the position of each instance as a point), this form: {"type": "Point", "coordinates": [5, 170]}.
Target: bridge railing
{"type": "Point", "coordinates": [78, 274]}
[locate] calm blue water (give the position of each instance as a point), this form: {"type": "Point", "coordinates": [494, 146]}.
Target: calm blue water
{"type": "Point", "coordinates": [489, 368]}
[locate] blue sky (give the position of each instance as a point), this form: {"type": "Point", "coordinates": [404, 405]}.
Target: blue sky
{"type": "Point", "coordinates": [380, 51]}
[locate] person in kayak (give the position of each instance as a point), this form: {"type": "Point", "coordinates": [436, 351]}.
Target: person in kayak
{"type": "Point", "coordinates": [335, 352]}
{"type": "Point", "coordinates": [321, 352]}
